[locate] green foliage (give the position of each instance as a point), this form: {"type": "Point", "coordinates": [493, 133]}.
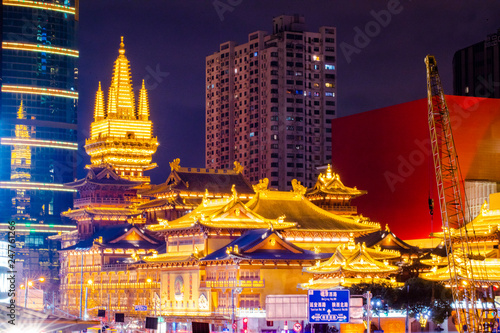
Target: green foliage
{"type": "Point", "coordinates": [418, 295]}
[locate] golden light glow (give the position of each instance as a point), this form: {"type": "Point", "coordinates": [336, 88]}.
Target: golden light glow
{"type": "Point", "coordinates": [40, 48]}
{"type": "Point", "coordinates": [38, 143]}
{"type": "Point", "coordinates": [40, 5]}
{"type": "Point", "coordinates": [39, 91]}
{"type": "Point", "coordinates": [121, 135]}
{"type": "Point", "coordinates": [35, 186]}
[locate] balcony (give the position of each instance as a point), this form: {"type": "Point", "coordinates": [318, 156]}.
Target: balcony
{"type": "Point", "coordinates": [223, 284]}
{"type": "Point", "coordinates": [82, 202]}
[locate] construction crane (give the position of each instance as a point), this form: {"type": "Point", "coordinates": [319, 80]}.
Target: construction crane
{"type": "Point", "coordinates": [450, 197]}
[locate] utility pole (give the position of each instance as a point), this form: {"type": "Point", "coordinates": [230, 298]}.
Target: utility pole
{"type": "Point", "coordinates": [81, 290]}
{"type": "Point", "coordinates": [26, 292]}
{"type": "Point", "coordinates": [368, 296]}
{"type": "Point", "coordinates": [407, 305]}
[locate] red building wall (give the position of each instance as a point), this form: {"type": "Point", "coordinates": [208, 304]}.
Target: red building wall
{"type": "Point", "coordinates": [387, 152]}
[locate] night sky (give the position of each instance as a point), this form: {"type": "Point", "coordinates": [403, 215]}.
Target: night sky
{"type": "Point", "coordinates": [167, 41]}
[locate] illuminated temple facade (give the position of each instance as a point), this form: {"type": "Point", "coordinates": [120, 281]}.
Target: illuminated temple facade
{"type": "Point", "coordinates": [121, 147]}
{"type": "Point", "coordinates": [121, 134]}
{"type": "Point", "coordinates": [483, 237]}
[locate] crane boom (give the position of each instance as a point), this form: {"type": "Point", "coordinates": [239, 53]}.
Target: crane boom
{"type": "Point", "coordinates": [450, 196]}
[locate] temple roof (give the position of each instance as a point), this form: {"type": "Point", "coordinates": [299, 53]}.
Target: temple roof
{"type": "Point", "coordinates": [487, 270]}
{"type": "Point", "coordinates": [352, 261]}
{"type": "Point", "coordinates": [330, 183]}
{"type": "Point", "coordinates": [263, 244]}
{"type": "Point", "coordinates": [386, 240]}
{"type": "Point", "coordinates": [199, 180]}
{"type": "Point", "coordinates": [295, 207]}
{"type": "Point", "coordinates": [485, 225]}
{"type": "Point", "coordinates": [103, 175]}
{"type": "Point", "coordinates": [122, 236]}
{"type": "Point", "coordinates": [102, 211]}
{"type": "Point", "coordinates": [222, 213]}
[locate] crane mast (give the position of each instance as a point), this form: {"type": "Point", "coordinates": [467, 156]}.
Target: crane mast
{"type": "Point", "coordinates": [450, 197]}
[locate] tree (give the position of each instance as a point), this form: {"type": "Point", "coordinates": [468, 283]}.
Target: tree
{"type": "Point", "coordinates": [422, 296]}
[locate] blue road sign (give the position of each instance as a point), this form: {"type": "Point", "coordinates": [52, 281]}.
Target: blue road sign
{"type": "Point", "coordinates": [328, 306]}
{"type": "Point", "coordinates": [141, 308]}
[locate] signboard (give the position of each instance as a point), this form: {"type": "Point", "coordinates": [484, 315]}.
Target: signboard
{"type": "Point", "coordinates": [328, 306]}
{"type": "Point", "coordinates": [297, 327]}
{"type": "Point", "coordinates": [141, 308]}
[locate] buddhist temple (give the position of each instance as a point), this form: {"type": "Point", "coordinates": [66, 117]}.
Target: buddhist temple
{"type": "Point", "coordinates": [105, 199]}
{"type": "Point", "coordinates": [105, 264]}
{"type": "Point", "coordinates": [387, 240]}
{"type": "Point", "coordinates": [352, 264]}
{"type": "Point", "coordinates": [185, 187]}
{"type": "Point", "coordinates": [121, 134]}
{"type": "Point", "coordinates": [483, 236]}
{"type": "Point", "coordinates": [332, 195]}
{"type": "Point", "coordinates": [315, 227]}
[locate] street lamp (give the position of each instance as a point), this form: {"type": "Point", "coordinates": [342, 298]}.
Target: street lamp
{"type": "Point", "coordinates": [89, 283]}
{"type": "Point", "coordinates": [27, 285]}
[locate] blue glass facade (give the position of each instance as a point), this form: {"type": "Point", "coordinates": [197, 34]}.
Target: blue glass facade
{"type": "Point", "coordinates": [38, 146]}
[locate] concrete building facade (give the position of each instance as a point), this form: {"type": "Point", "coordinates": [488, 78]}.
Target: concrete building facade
{"type": "Point", "coordinates": [476, 69]}
{"type": "Point", "coordinates": [270, 102]}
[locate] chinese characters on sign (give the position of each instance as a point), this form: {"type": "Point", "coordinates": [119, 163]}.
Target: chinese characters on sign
{"type": "Point", "coordinates": [328, 306]}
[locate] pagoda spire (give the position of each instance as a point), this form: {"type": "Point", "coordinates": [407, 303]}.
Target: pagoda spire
{"type": "Point", "coordinates": [121, 87]}
{"type": "Point", "coordinates": [143, 111]}
{"type": "Point", "coordinates": [99, 104]}
{"type": "Point", "coordinates": [21, 114]}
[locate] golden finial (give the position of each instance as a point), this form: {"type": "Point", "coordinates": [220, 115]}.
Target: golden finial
{"type": "Point", "coordinates": [175, 164]}
{"type": "Point", "coordinates": [205, 196]}
{"type": "Point", "coordinates": [317, 249]}
{"type": "Point", "coordinates": [387, 227]}
{"type": "Point", "coordinates": [238, 168]}
{"type": "Point", "coordinates": [236, 250]}
{"type": "Point", "coordinates": [329, 172]}
{"type": "Point", "coordinates": [122, 47]}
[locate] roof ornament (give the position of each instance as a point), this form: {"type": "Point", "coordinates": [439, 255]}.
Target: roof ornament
{"type": "Point", "coordinates": [329, 172]}
{"type": "Point", "coordinates": [262, 186]}
{"type": "Point", "coordinates": [271, 226]}
{"type": "Point", "coordinates": [175, 164]}
{"type": "Point", "coordinates": [317, 249]}
{"type": "Point", "coordinates": [298, 187]}
{"type": "Point", "coordinates": [233, 190]}
{"type": "Point", "coordinates": [387, 227]}
{"type": "Point", "coordinates": [238, 168]}
{"type": "Point", "coordinates": [236, 250]}
{"type": "Point", "coordinates": [351, 245]}
{"type": "Point", "coordinates": [484, 208]}
{"type": "Point", "coordinates": [205, 198]}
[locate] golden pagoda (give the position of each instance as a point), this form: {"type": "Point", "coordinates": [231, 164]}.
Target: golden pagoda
{"type": "Point", "coordinates": [332, 195]}
{"type": "Point", "coordinates": [352, 264]}
{"type": "Point", "coordinates": [121, 134]}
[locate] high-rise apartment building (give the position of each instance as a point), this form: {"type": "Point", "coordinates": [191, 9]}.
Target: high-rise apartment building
{"type": "Point", "coordinates": [270, 102]}
{"type": "Point", "coordinates": [38, 108]}
{"type": "Point", "coordinates": [476, 69]}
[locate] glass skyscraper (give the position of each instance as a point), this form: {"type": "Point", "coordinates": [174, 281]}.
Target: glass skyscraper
{"type": "Point", "coordinates": [38, 109]}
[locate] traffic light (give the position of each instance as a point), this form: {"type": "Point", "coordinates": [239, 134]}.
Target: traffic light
{"type": "Point", "coordinates": [245, 325]}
